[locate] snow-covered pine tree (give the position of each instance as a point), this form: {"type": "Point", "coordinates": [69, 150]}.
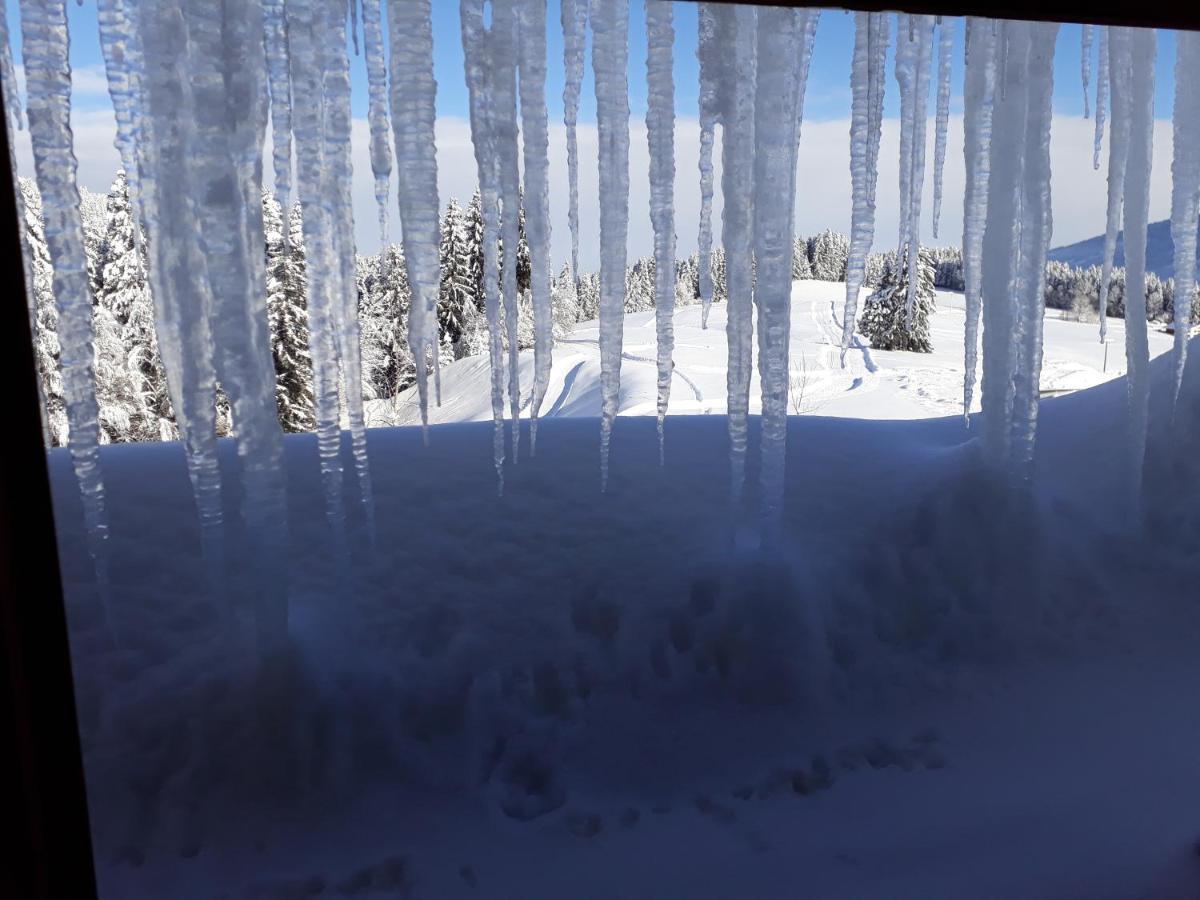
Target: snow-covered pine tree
{"type": "Point", "coordinates": [563, 301]}
{"type": "Point", "coordinates": [456, 298]}
{"type": "Point", "coordinates": [473, 235]}
{"type": "Point", "coordinates": [125, 320]}
{"type": "Point", "coordinates": [828, 252]}
{"type": "Point", "coordinates": [45, 337]}
{"type": "Point", "coordinates": [800, 267]}
{"type": "Point", "coordinates": [885, 318]}
{"type": "Point", "coordinates": [385, 301]}
{"type": "Point", "coordinates": [287, 316]}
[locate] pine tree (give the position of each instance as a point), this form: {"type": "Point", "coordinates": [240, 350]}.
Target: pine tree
{"type": "Point", "coordinates": [828, 253]}
{"type": "Point", "coordinates": [800, 267]}
{"type": "Point", "coordinates": [473, 235]}
{"type": "Point", "coordinates": [456, 301]}
{"type": "Point", "coordinates": [885, 320]}
{"type": "Point", "coordinates": [385, 302]}
{"type": "Point", "coordinates": [287, 316]}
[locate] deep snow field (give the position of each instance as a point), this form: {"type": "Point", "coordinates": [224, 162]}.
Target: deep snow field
{"type": "Point", "coordinates": [936, 689]}
{"type": "Point", "coordinates": [873, 385]}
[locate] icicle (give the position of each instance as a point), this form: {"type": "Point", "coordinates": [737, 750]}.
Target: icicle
{"type": "Point", "coordinates": [737, 33]}
{"type": "Point", "coordinates": [123, 69]}
{"type": "Point", "coordinates": [945, 51]}
{"type": "Point", "coordinates": [1035, 229]}
{"type": "Point", "coordinates": [1185, 183]}
{"type": "Point", "coordinates": [924, 41]}
{"type": "Point", "coordinates": [906, 62]}
{"type": "Point", "coordinates": [1102, 85]}
{"type": "Point", "coordinates": [377, 113]}
{"type": "Point", "coordinates": [1143, 49]}
{"type": "Point", "coordinates": [230, 123]}
{"type": "Point", "coordinates": [777, 105]}
{"type": "Point", "coordinates": [177, 265]}
{"type": "Point", "coordinates": [867, 88]}
{"type": "Point", "coordinates": [610, 55]}
{"type": "Point", "coordinates": [978, 98]}
{"type": "Point", "coordinates": [48, 94]}
{"type": "Point", "coordinates": [1120, 76]}
{"type": "Point", "coordinates": [503, 39]}
{"type": "Point", "coordinates": [12, 97]}
{"type": "Point", "coordinates": [660, 137]}
{"type": "Point", "coordinates": [306, 30]}
{"type": "Point", "coordinates": [414, 91]}
{"type": "Point", "coordinates": [279, 79]}
{"type": "Point", "coordinates": [574, 25]}
{"type": "Point", "coordinates": [1085, 64]}
{"type": "Point", "coordinates": [534, 132]}
{"type": "Point", "coordinates": [710, 64]}
{"type": "Point", "coordinates": [477, 62]}
{"type": "Point", "coordinates": [354, 24]}
{"type": "Point", "coordinates": [339, 178]}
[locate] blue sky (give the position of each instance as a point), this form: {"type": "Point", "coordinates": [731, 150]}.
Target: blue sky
{"type": "Point", "coordinates": [823, 148]}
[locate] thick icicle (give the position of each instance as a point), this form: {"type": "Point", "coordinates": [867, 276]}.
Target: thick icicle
{"type": "Point", "coordinates": [503, 40]}
{"type": "Point", "coordinates": [12, 97]}
{"type": "Point", "coordinates": [776, 126]}
{"type": "Point", "coordinates": [531, 22]}
{"type": "Point", "coordinates": [1102, 84]}
{"type": "Point", "coordinates": [978, 97]}
{"type": "Point", "coordinates": [610, 64]}
{"type": "Point", "coordinates": [945, 52]}
{"type": "Point", "coordinates": [177, 264]}
{"type": "Point", "coordinates": [574, 15]}
{"type": "Point", "coordinates": [477, 63]}
{"type": "Point", "coordinates": [737, 32]}
{"type": "Point", "coordinates": [1120, 76]}
{"type": "Point", "coordinates": [280, 81]}
{"type": "Point", "coordinates": [710, 65]}
{"type": "Point", "coordinates": [1185, 183]}
{"type": "Point", "coordinates": [339, 179]}
{"type": "Point", "coordinates": [354, 24]}
{"type": "Point", "coordinates": [377, 111]}
{"type": "Point", "coordinates": [1143, 49]}
{"type": "Point", "coordinates": [306, 30]}
{"type": "Point", "coordinates": [1085, 65]}
{"type": "Point", "coordinates": [923, 30]}
{"type": "Point", "coordinates": [414, 92]}
{"type": "Point", "coordinates": [867, 80]}
{"type": "Point", "coordinates": [660, 136]}
{"type": "Point", "coordinates": [1035, 230]}
{"type": "Point", "coordinates": [48, 94]}
{"type": "Point", "coordinates": [123, 68]}
{"type": "Point", "coordinates": [227, 72]}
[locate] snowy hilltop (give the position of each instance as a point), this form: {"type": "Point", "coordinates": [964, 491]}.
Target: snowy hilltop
{"type": "Point", "coordinates": [1160, 251]}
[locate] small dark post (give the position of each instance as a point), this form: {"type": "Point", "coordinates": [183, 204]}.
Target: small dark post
{"type": "Point", "coordinates": [43, 802]}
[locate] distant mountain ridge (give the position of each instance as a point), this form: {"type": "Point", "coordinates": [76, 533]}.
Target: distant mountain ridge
{"type": "Point", "coordinates": [1160, 250]}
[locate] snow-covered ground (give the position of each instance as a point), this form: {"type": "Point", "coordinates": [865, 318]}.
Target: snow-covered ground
{"type": "Point", "coordinates": [934, 691]}
{"type": "Point", "coordinates": [872, 385]}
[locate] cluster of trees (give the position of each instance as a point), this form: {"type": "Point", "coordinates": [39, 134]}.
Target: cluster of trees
{"type": "Point", "coordinates": [131, 383]}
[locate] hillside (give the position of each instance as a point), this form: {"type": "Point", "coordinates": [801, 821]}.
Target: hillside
{"type": "Point", "coordinates": [1160, 250]}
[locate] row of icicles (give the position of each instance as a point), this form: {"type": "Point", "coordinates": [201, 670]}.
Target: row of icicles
{"type": "Point", "coordinates": [195, 84]}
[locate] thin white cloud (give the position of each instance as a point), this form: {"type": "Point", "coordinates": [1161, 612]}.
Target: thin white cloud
{"type": "Point", "coordinates": [823, 183]}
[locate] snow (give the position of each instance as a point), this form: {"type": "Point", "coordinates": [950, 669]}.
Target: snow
{"type": "Point", "coordinates": [874, 384]}
{"type": "Point", "coordinates": [568, 662]}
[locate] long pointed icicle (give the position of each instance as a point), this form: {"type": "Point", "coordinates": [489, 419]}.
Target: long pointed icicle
{"type": "Point", "coordinates": [660, 136]}
{"type": "Point", "coordinates": [867, 80]}
{"type": "Point", "coordinates": [906, 62]}
{"type": "Point", "coordinates": [574, 15]}
{"type": "Point", "coordinates": [738, 33]}
{"type": "Point", "coordinates": [306, 36]}
{"type": "Point", "coordinates": [1185, 185]}
{"type": "Point", "coordinates": [978, 95]}
{"type": "Point", "coordinates": [44, 46]}
{"type": "Point", "coordinates": [1120, 76]}
{"type": "Point", "coordinates": [1085, 65]}
{"type": "Point", "coordinates": [123, 69]}
{"type": "Point", "coordinates": [923, 26]}
{"type": "Point", "coordinates": [230, 123]}
{"type": "Point", "coordinates": [1102, 85]}
{"type": "Point", "coordinates": [610, 55]}
{"type": "Point", "coordinates": [945, 52]}
{"type": "Point", "coordinates": [339, 174]}
{"type": "Point", "coordinates": [12, 97]}
{"type": "Point", "coordinates": [531, 23]}
{"type": "Point", "coordinates": [177, 265]}
{"type": "Point", "coordinates": [477, 64]}
{"type": "Point", "coordinates": [413, 95]}
{"type": "Point", "coordinates": [777, 123]}
{"type": "Point", "coordinates": [710, 61]}
{"type": "Point", "coordinates": [377, 111]}
{"type": "Point", "coordinates": [1143, 49]}
{"type": "Point", "coordinates": [280, 81]}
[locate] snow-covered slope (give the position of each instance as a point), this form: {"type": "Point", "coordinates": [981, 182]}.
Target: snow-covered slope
{"type": "Point", "coordinates": [1160, 250]}
{"type": "Point", "coordinates": [934, 691]}
{"type": "Point", "coordinates": [873, 385]}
